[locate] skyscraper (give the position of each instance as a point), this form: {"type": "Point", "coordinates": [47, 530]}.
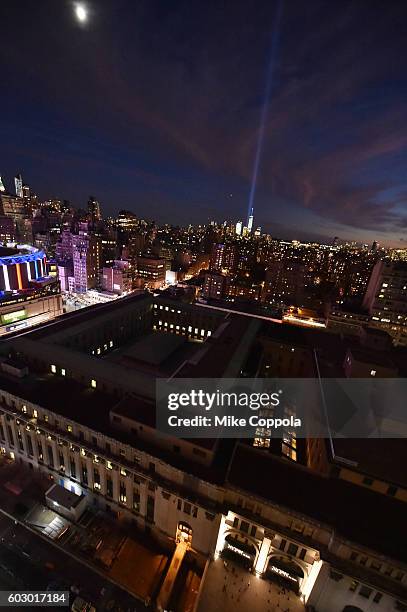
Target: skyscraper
{"type": "Point", "coordinates": [86, 259]}
{"type": "Point", "coordinates": [2, 187]}
{"type": "Point", "coordinates": [94, 209]}
{"type": "Point", "coordinates": [250, 221]}
{"type": "Point", "coordinates": [18, 182]}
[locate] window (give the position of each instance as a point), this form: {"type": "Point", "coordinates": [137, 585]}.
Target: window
{"type": "Point", "coordinates": [303, 553]}
{"type": "Point", "coordinates": [367, 481]}
{"type": "Point", "coordinates": [236, 522]}
{"type": "Point", "coordinates": [179, 504]}
{"type": "Point", "coordinates": [30, 445]}
{"type": "Point", "coordinates": [282, 544]}
{"type": "Point", "coordinates": [363, 560]}
{"type": "Point", "coordinates": [122, 493]}
{"type": "Point", "coordinates": [54, 369]}
{"type": "Point", "coordinates": [376, 566]}
{"type": "Point", "coordinates": [335, 575]}
{"type": "Point", "coordinates": [96, 479]}
{"type": "Point", "coordinates": [244, 526]}
{"type": "Point", "coordinates": [50, 456]}
{"type": "Point", "coordinates": [353, 585]}
{"type": "Point", "coordinates": [377, 597]}
{"type": "Point", "coordinates": [392, 491]}
{"type": "Point", "coordinates": [292, 549]}
{"type": "Point", "coordinates": [364, 591]}
{"type": "Point", "coordinates": [63, 371]}
{"type": "Point", "coordinates": [353, 556]}
{"type": "Point", "coordinates": [187, 508]}
{"type": "Point", "coordinates": [93, 383]}
{"type": "Point", "coordinates": [253, 531]}
{"type": "Point", "coordinates": [399, 576]}
{"type": "Point", "coordinates": [136, 500]}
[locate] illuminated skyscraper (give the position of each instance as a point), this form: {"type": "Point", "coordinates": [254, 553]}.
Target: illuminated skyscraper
{"type": "Point", "coordinates": [94, 209]}
{"type": "Point", "coordinates": [239, 227]}
{"type": "Point", "coordinates": [250, 221]}
{"type": "Point", "coordinates": [2, 188]}
{"type": "Point", "coordinates": [18, 182]}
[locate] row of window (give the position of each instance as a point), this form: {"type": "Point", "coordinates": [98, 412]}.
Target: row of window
{"type": "Point", "coordinates": [375, 565]}
{"type": "Point", "coordinates": [391, 489]}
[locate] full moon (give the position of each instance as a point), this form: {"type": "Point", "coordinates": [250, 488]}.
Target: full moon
{"type": "Point", "coordinates": [81, 13]}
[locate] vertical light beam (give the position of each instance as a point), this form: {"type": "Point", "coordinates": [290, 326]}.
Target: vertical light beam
{"type": "Point", "coordinates": [275, 36]}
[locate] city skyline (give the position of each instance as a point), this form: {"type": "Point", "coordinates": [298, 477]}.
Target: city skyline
{"type": "Point", "coordinates": [159, 109]}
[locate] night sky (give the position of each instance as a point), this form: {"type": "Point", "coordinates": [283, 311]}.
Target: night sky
{"type": "Point", "coordinates": [155, 107]}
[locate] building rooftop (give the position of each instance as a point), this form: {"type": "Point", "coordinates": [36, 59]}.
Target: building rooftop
{"type": "Point", "coordinates": [385, 459]}
{"type": "Point", "coordinates": [62, 497]}
{"type": "Point", "coordinates": [356, 513]}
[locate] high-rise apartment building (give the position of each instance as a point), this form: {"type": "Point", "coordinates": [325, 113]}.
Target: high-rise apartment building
{"type": "Point", "coordinates": [224, 257]}
{"type": "Point", "coordinates": [86, 260]}
{"type": "Point", "coordinates": [94, 210]}
{"type": "Point", "coordinates": [386, 298]}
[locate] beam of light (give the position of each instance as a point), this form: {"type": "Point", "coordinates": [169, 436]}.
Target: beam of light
{"type": "Point", "coordinates": [81, 12]}
{"type": "Point", "coordinates": [266, 102]}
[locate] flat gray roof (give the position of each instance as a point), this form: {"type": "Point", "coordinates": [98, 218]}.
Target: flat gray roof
{"type": "Point", "coordinates": [63, 497]}
{"type": "Point", "coordinates": [154, 348]}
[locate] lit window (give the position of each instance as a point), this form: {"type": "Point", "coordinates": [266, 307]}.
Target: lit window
{"type": "Point", "coordinates": [69, 428]}
{"type": "Point", "coordinates": [63, 371]}
{"type": "Point", "coordinates": [109, 465]}
{"type": "Point", "coordinates": [372, 372]}
{"type": "Point", "coordinates": [24, 408]}
{"type": "Point", "coordinates": [93, 383]}
{"type": "Point", "coordinates": [54, 369]}
{"type": "Point", "coordinates": [35, 413]}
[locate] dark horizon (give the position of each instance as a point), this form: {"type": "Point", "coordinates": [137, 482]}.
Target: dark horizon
{"type": "Point", "coordinates": [156, 109]}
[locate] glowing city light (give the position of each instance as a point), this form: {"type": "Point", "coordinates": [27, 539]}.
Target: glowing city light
{"type": "Point", "coordinates": [81, 13]}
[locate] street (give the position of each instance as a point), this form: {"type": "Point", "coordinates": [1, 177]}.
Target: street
{"type": "Point", "coordinates": [29, 562]}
